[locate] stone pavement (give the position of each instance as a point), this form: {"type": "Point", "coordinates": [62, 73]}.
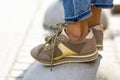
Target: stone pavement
{"type": "Point", "coordinates": [22, 33]}
{"type": "Point", "coordinates": [17, 20]}
{"type": "Point", "coordinates": [15, 24]}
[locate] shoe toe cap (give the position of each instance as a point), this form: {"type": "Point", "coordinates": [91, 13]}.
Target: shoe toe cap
{"type": "Point", "coordinates": [34, 52]}
{"type": "Point", "coordinates": [39, 56]}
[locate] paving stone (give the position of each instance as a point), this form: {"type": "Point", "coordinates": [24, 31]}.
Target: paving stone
{"type": "Point", "coordinates": [109, 70]}
{"type": "Point", "coordinates": [25, 60]}
{"type": "Point", "coordinates": [25, 54]}
{"type": "Point", "coordinates": [2, 78]}
{"type": "Point", "coordinates": [17, 73]}
{"type": "Point", "coordinates": [21, 66]}
{"type": "Point", "coordinates": [15, 78]}
{"type": "Point", "coordinates": [15, 31]}
{"type": "Point", "coordinates": [69, 71]}
{"type": "Point", "coordinates": [117, 42]}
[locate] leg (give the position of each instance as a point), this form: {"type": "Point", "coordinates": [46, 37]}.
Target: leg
{"type": "Point", "coordinates": [76, 17]}
{"type": "Point", "coordinates": [76, 31]}
{"type": "Point", "coordinates": [95, 18]}
{"type": "Point", "coordinates": [80, 29]}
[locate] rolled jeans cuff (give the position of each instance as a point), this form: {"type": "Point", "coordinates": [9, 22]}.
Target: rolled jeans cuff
{"type": "Point", "coordinates": [79, 17]}
{"type": "Point", "coordinates": [102, 5]}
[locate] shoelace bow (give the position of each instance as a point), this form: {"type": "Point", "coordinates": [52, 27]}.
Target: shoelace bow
{"type": "Point", "coordinates": [52, 39]}
{"type": "Point", "coordinates": [58, 27]}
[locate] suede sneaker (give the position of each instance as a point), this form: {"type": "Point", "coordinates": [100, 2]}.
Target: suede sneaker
{"type": "Point", "coordinates": [97, 31]}
{"type": "Point", "coordinates": [59, 49]}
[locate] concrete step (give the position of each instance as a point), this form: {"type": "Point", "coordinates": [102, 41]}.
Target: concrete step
{"type": "Point", "coordinates": [69, 71]}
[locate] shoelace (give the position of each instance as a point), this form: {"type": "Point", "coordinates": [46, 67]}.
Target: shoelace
{"type": "Point", "coordinates": [57, 27]}
{"type": "Point", "coordinates": [52, 39]}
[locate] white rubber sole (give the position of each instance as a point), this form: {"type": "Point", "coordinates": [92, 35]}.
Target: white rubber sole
{"type": "Point", "coordinates": [72, 59]}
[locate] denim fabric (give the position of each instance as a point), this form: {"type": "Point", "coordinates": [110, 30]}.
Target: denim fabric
{"type": "Point", "coordinates": [77, 10]}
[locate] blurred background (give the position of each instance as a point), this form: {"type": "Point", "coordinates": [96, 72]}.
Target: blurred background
{"type": "Point", "coordinates": [25, 23]}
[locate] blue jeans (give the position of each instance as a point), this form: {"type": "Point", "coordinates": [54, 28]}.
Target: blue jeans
{"type": "Point", "coordinates": [77, 10]}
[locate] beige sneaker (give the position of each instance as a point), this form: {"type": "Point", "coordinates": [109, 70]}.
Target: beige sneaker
{"type": "Point", "coordinates": [59, 49]}
{"type": "Point", "coordinates": [97, 31]}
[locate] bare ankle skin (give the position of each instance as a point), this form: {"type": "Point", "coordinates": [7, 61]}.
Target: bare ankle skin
{"type": "Point", "coordinates": [95, 18]}
{"type": "Point", "coordinates": [73, 30]}
{"type": "Point", "coordinates": [77, 30]}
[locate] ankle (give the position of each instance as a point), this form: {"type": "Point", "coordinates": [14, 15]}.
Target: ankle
{"type": "Point", "coordinates": [78, 31]}
{"type": "Point", "coordinates": [95, 18]}
{"type": "Point", "coordinates": [73, 30]}
{"type": "Point", "coordinates": [84, 28]}
{"type": "Point", "coordinates": [73, 33]}
{"type": "Point", "coordinates": [74, 36]}
{"type": "Point", "coordinates": [92, 24]}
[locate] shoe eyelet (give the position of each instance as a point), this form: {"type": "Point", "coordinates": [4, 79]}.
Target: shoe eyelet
{"type": "Point", "coordinates": [62, 38]}
{"type": "Point", "coordinates": [47, 47]}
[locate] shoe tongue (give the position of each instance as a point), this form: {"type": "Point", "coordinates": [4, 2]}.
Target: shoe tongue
{"type": "Point", "coordinates": [64, 33]}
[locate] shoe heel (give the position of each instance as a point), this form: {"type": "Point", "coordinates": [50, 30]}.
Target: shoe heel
{"type": "Point", "coordinates": [100, 48]}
